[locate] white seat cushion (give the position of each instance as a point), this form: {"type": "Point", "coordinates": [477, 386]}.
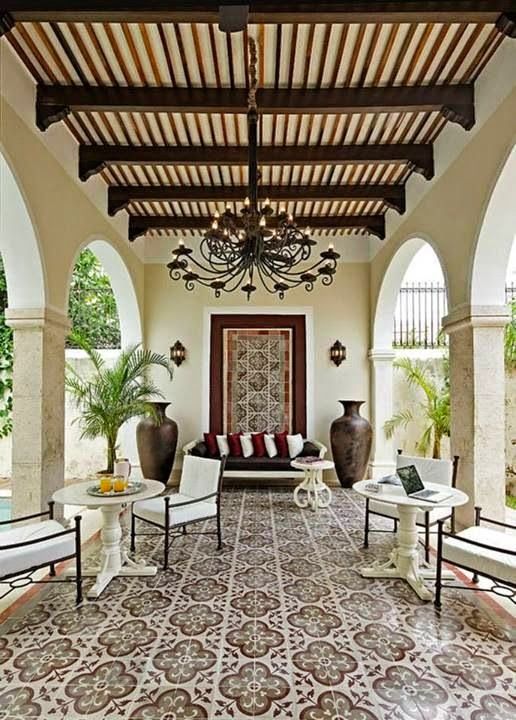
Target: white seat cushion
{"type": "Point", "coordinates": [480, 559]}
{"type": "Point", "coordinates": [153, 510]}
{"type": "Point", "coordinates": [18, 560]}
{"type": "Point", "coordinates": [391, 511]}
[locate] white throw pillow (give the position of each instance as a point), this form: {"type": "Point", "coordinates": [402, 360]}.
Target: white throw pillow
{"type": "Point", "coordinates": [247, 445]}
{"type": "Point", "coordinates": [295, 445]}
{"type": "Point", "coordinates": [223, 445]}
{"type": "Point", "coordinates": [270, 445]}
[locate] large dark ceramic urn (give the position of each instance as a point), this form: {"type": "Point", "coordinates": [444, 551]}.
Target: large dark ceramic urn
{"type": "Point", "coordinates": [157, 442]}
{"type": "Point", "coordinates": [351, 437]}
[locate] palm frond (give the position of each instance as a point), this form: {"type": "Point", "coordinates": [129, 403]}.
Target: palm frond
{"type": "Point", "coordinates": [417, 374]}
{"type": "Point", "coordinates": [113, 395]}
{"type": "Point", "coordinates": [400, 419]}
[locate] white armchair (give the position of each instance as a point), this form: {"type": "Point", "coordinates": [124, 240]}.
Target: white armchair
{"type": "Point", "coordinates": [197, 500]}
{"type": "Point", "coordinates": [35, 545]}
{"type": "Point", "coordinates": [443, 472]}
{"type": "Point", "coordinates": [485, 551]}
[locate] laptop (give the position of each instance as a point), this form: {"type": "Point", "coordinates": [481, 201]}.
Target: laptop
{"type": "Point", "coordinates": [413, 486]}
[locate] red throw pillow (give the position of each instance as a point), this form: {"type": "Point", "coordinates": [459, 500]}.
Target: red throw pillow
{"type": "Point", "coordinates": [235, 448]}
{"type": "Point", "coordinates": [211, 443]}
{"type": "Point", "coordinates": [258, 440]}
{"type": "Point", "coordinates": [281, 444]}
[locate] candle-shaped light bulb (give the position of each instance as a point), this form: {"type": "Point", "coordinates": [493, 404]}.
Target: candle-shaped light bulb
{"type": "Point", "coordinates": [330, 247]}
{"type": "Point", "coordinates": [307, 231]}
{"type": "Point", "coordinates": [181, 244]}
{"type": "Point", "coordinates": [282, 209]}
{"type": "Point", "coordinates": [262, 221]}
{"type": "Point", "coordinates": [267, 202]}
{"type": "Point", "coordinates": [290, 218]}
{"type": "Point", "coordinates": [246, 202]}
{"type": "Point", "coordinates": [214, 225]}
{"type": "Point", "coordinates": [228, 207]}
{"type": "Point", "coordinates": [216, 214]}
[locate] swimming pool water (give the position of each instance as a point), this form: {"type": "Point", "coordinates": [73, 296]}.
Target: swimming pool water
{"type": "Point", "coordinates": [5, 508]}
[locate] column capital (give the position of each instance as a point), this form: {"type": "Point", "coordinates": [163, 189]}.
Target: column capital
{"type": "Point", "coordinates": [29, 318]}
{"type": "Point", "coordinates": [473, 316]}
{"type": "Point", "coordinates": [381, 355]}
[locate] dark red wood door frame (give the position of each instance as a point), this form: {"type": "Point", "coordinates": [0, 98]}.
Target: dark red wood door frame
{"type": "Point", "coordinates": [296, 323]}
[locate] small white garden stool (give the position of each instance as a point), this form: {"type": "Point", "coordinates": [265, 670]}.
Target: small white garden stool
{"type": "Point", "coordinates": [318, 494]}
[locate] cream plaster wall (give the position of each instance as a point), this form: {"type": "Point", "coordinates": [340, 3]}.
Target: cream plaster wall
{"type": "Point", "coordinates": [340, 311]}
{"type": "Point", "coordinates": [450, 215]}
{"type": "Point", "coordinates": [63, 217]}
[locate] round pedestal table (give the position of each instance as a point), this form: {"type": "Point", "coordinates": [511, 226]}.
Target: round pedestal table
{"type": "Point", "coordinates": [403, 561]}
{"type": "Point", "coordinates": [318, 494]}
{"type": "Point", "coordinates": [115, 561]}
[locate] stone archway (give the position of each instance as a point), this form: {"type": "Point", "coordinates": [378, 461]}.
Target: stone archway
{"type": "Point", "coordinates": [123, 288]}
{"type": "Point", "coordinates": [477, 372]}
{"type": "Point", "coordinates": [87, 458]}
{"type": "Point", "coordinates": [382, 354]}
{"type": "Point", "coordinates": [495, 239]}
{"type": "Point", "coordinates": [38, 372]}
{"type": "Point", "coordinates": [19, 246]}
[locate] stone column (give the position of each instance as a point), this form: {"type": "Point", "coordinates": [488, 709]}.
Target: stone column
{"type": "Point", "coordinates": [477, 384]}
{"type": "Point", "coordinates": [383, 456]}
{"type": "Point", "coordinates": [38, 406]}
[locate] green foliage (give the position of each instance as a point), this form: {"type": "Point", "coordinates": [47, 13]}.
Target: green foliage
{"type": "Point", "coordinates": [435, 408]}
{"type": "Point", "coordinates": [6, 362]}
{"type": "Point", "coordinates": [92, 305]}
{"type": "Point", "coordinates": [113, 395]}
{"type": "Point", "coordinates": [510, 339]}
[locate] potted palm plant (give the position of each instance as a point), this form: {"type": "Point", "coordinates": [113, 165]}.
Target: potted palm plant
{"type": "Point", "coordinates": [112, 395]}
{"type": "Point", "coordinates": [435, 408]}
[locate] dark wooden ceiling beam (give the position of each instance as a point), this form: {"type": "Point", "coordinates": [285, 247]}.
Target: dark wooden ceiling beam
{"type": "Point", "coordinates": [95, 158]}
{"type": "Point", "coordinates": [120, 197]}
{"type": "Point", "coordinates": [374, 224]}
{"type": "Point", "coordinates": [6, 22]}
{"type": "Point", "coordinates": [455, 102]}
{"type": "Point", "coordinates": [207, 11]}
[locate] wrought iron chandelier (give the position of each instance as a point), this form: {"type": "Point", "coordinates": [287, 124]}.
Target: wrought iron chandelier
{"type": "Point", "coordinates": [236, 251]}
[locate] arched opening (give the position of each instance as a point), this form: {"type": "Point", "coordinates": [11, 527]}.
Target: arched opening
{"type": "Point", "coordinates": [103, 310]}
{"type": "Point", "coordinates": [495, 240]}
{"type": "Point", "coordinates": [19, 246]}
{"type": "Point", "coordinates": [416, 261]}
{"type": "Point", "coordinates": [411, 303]}
{"type": "Point", "coordinates": [22, 287]}
{"type": "Point", "coordinates": [493, 283]}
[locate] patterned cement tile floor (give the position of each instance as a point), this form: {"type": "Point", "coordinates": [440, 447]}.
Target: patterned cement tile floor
{"type": "Point", "coordinates": [277, 625]}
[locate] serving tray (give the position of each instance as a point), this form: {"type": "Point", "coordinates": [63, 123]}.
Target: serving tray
{"type": "Point", "coordinates": [132, 488]}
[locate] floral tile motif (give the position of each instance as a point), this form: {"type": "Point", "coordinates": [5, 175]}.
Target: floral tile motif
{"type": "Point", "coordinates": [280, 624]}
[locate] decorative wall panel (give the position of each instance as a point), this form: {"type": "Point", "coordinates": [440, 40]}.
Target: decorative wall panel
{"type": "Point", "coordinates": [257, 373]}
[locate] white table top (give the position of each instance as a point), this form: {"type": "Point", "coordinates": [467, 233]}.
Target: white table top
{"type": "Point", "coordinates": [395, 495]}
{"type": "Point", "coordinates": [318, 465]}
{"type": "Point", "coordinates": [76, 494]}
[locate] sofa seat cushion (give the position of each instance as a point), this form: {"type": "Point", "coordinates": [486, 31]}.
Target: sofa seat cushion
{"type": "Point", "coordinates": [18, 560]}
{"type": "Point", "coordinates": [153, 510]}
{"type": "Point", "coordinates": [391, 510]}
{"type": "Point", "coordinates": [490, 562]}
{"type": "Point", "coordinates": [276, 464]}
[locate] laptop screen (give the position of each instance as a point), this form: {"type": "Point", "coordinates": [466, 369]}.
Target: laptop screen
{"type": "Point", "coordinates": [410, 479]}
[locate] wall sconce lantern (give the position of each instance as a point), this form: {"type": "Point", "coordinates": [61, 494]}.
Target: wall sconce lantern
{"type": "Point", "coordinates": [178, 353]}
{"type": "Point", "coordinates": [337, 353]}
